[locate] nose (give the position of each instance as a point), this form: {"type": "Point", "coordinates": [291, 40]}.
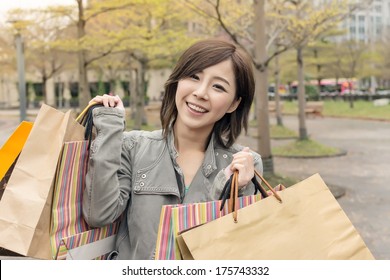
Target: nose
{"type": "Point", "coordinates": [201, 92]}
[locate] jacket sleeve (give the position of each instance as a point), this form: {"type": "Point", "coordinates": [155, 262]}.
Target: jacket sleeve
{"type": "Point", "coordinates": [108, 179]}
{"type": "Point", "coordinates": [220, 180]}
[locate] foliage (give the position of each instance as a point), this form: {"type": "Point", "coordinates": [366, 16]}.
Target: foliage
{"type": "Point", "coordinates": [312, 92]}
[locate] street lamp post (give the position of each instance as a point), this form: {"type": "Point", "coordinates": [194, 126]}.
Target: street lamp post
{"type": "Point", "coordinates": [21, 75]}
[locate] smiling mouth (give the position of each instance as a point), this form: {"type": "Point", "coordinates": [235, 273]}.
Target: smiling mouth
{"type": "Point", "coordinates": [196, 108]}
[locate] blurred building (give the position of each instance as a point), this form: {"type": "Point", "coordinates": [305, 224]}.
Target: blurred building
{"type": "Point", "coordinates": [368, 21]}
{"type": "Point", "coordinates": [369, 24]}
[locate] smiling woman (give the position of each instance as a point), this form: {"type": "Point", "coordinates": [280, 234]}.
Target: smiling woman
{"type": "Point", "coordinates": [205, 106]}
{"type": "Point", "coordinates": [204, 98]}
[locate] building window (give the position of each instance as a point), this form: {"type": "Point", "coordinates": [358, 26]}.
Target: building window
{"type": "Point", "coordinates": [378, 30]}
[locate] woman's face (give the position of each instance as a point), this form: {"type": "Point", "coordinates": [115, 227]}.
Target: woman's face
{"type": "Point", "coordinates": [205, 97]}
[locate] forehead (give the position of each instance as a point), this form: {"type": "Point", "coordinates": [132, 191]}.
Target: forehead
{"type": "Point", "coordinates": [224, 68]}
{"type": "Point", "coordinates": [222, 72]}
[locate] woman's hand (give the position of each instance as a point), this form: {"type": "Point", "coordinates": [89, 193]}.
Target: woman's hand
{"type": "Point", "coordinates": [243, 162]}
{"type": "Point", "coordinates": [108, 100]}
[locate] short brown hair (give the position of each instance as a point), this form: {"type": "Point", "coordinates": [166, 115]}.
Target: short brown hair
{"type": "Point", "coordinates": [199, 56]}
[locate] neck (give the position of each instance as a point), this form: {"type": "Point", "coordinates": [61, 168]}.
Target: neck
{"type": "Point", "coordinates": [190, 140]}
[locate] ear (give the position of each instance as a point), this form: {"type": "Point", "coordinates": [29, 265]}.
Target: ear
{"type": "Point", "coordinates": [234, 105]}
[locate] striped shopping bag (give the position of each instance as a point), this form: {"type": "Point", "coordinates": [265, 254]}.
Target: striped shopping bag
{"type": "Point", "coordinates": [179, 217]}
{"type": "Point", "coordinates": [71, 237]}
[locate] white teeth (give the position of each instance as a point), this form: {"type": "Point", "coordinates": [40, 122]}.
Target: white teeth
{"type": "Point", "coordinates": [196, 108]}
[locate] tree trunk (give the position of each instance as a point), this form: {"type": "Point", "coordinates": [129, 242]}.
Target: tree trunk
{"type": "Point", "coordinates": [279, 120]}
{"type": "Point", "coordinates": [137, 101]}
{"type": "Point", "coordinates": [142, 93]}
{"type": "Point", "coordinates": [350, 97]}
{"type": "Point", "coordinates": [138, 108]}
{"type": "Point", "coordinates": [301, 96]}
{"type": "Point", "coordinates": [84, 93]}
{"type": "Point", "coordinates": [262, 117]}
{"type": "Point", "coordinates": [318, 66]}
{"type": "Point", "coordinates": [133, 90]}
{"type": "Point", "coordinates": [44, 91]}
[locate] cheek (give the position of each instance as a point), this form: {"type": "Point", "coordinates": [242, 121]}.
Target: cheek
{"type": "Point", "coordinates": [223, 105]}
{"type": "Point", "coordinates": [183, 88]}
{"type": "Point", "coordinates": [179, 92]}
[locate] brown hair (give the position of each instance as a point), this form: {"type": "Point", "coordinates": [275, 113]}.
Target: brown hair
{"type": "Point", "coordinates": [199, 56]}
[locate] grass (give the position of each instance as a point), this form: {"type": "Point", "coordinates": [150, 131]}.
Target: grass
{"type": "Point", "coordinates": [276, 131]}
{"type": "Point", "coordinates": [305, 148]}
{"type": "Point", "coordinates": [282, 132]}
{"type": "Point", "coordinates": [147, 127]}
{"type": "Point", "coordinates": [362, 109]}
{"type": "Point", "coordinates": [275, 179]}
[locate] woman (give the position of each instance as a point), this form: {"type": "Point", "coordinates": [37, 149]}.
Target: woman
{"type": "Point", "coordinates": [205, 106]}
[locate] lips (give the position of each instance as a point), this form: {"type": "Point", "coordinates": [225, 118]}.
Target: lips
{"type": "Point", "coordinates": [196, 108]}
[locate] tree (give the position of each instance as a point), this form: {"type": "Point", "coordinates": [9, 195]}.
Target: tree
{"type": "Point", "coordinates": [349, 60]}
{"type": "Point", "coordinates": [88, 43]}
{"type": "Point", "coordinates": [384, 66]}
{"type": "Point", "coordinates": [7, 62]}
{"type": "Point", "coordinates": [261, 61]}
{"type": "Point", "coordinates": [306, 23]}
{"type": "Point", "coordinates": [6, 55]}
{"type": "Point", "coordinates": [47, 60]}
{"type": "Point", "coordinates": [151, 34]}
{"type": "Point", "coordinates": [319, 58]}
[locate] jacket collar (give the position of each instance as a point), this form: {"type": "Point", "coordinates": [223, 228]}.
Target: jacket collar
{"type": "Point", "coordinates": [209, 163]}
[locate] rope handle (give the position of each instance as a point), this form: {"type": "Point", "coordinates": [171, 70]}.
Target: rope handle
{"type": "Point", "coordinates": [268, 186]}
{"type": "Point", "coordinates": [231, 190]}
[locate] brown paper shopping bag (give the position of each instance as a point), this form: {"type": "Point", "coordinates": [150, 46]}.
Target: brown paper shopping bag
{"type": "Point", "coordinates": [307, 224]}
{"type": "Point", "coordinates": [25, 207]}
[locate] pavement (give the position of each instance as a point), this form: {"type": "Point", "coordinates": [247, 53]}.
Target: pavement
{"type": "Point", "coordinates": [361, 176]}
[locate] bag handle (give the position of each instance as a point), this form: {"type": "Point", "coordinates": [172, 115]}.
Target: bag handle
{"type": "Point", "coordinates": [81, 117]}
{"type": "Point", "coordinates": [268, 186]}
{"type": "Point", "coordinates": [85, 118]}
{"type": "Point", "coordinates": [231, 188]}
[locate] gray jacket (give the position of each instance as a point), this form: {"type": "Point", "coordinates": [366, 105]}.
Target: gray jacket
{"type": "Point", "coordinates": [135, 173]}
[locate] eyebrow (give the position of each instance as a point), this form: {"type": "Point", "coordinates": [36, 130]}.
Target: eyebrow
{"type": "Point", "coordinates": [221, 79]}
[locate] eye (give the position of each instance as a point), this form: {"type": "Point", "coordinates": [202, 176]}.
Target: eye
{"type": "Point", "coordinates": [194, 77]}
{"type": "Point", "coordinates": [219, 87]}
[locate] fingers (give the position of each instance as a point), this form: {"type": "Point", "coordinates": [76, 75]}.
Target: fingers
{"type": "Point", "coordinates": [243, 162]}
{"type": "Point", "coordinates": [108, 100]}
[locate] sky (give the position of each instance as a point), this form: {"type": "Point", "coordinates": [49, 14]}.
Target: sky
{"type": "Point", "coordinates": [5, 5]}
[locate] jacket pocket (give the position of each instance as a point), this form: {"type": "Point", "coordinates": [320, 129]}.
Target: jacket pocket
{"type": "Point", "coordinates": [156, 180]}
